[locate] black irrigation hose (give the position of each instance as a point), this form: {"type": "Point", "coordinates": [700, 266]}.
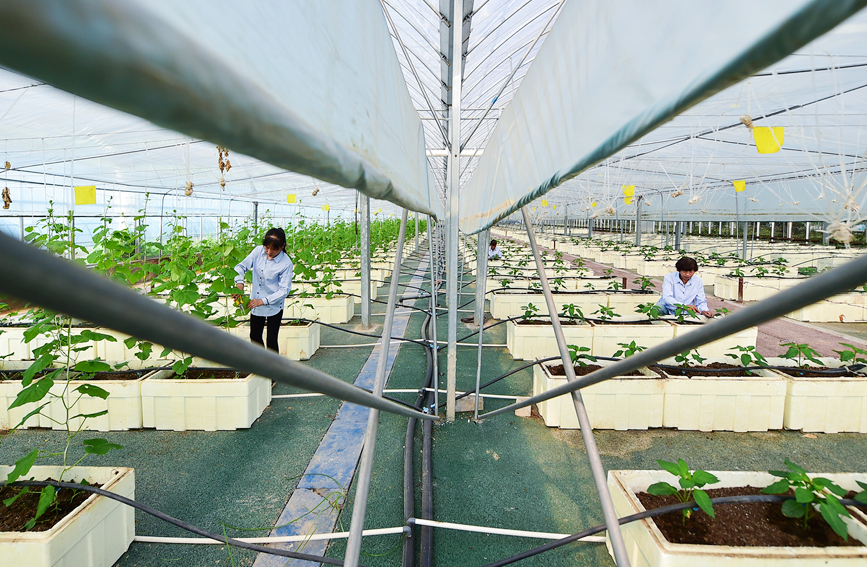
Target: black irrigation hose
{"type": "Point", "coordinates": [180, 523]}
{"type": "Point", "coordinates": [650, 514]}
{"type": "Point", "coordinates": [491, 326]}
{"type": "Point", "coordinates": [408, 464]}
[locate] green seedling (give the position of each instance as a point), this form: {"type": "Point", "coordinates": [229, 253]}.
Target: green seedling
{"type": "Point", "coordinates": [681, 312]}
{"type": "Point", "coordinates": [628, 349]}
{"type": "Point", "coordinates": [808, 271]}
{"type": "Point", "coordinates": [652, 310]}
{"type": "Point", "coordinates": [801, 352]}
{"type": "Point", "coordinates": [578, 355]}
{"type": "Point", "coordinates": [605, 313]}
{"type": "Point", "coordinates": [722, 311]}
{"type": "Point", "coordinates": [608, 272]}
{"type": "Point", "coordinates": [572, 311]}
{"type": "Point", "coordinates": [737, 273]}
{"type": "Point", "coordinates": [686, 358]}
{"type": "Point", "coordinates": [644, 283]}
{"type": "Point", "coordinates": [760, 271]}
{"type": "Point", "coordinates": [748, 356]}
{"type": "Point", "coordinates": [615, 285]}
{"type": "Point", "coordinates": [530, 311]}
{"type": "Point", "coordinates": [812, 493]}
{"type": "Point", "coordinates": [691, 484]}
{"type": "Point", "coordinates": [852, 354]}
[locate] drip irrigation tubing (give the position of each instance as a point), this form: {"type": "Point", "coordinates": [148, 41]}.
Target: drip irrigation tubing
{"type": "Point", "coordinates": [180, 523]}
{"type": "Point", "coordinates": [418, 342]}
{"type": "Point", "coordinates": [651, 514]}
{"type": "Point", "coordinates": [495, 380]}
{"type": "Point", "coordinates": [409, 453]}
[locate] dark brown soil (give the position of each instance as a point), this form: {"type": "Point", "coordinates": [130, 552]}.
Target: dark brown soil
{"type": "Point", "coordinates": [24, 508]}
{"type": "Point", "coordinates": [131, 375]}
{"type": "Point", "coordinates": [210, 374]}
{"type": "Point", "coordinates": [295, 323]}
{"type": "Point", "coordinates": [758, 524]}
{"type": "Point", "coordinates": [558, 370]}
{"type": "Point", "coordinates": [706, 370]}
{"type": "Point", "coordinates": [805, 373]}
{"type": "Point", "coordinates": [616, 322]}
{"type": "Point", "coordinates": [19, 374]}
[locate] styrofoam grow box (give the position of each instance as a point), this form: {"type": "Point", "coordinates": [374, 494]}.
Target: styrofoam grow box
{"type": "Point", "coordinates": [526, 342]}
{"type": "Point", "coordinates": [211, 405]}
{"type": "Point", "coordinates": [95, 534]}
{"type": "Point", "coordinates": [627, 402]}
{"type": "Point", "coordinates": [647, 547]}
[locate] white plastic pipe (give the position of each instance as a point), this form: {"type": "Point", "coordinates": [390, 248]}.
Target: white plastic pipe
{"type": "Point", "coordinates": [276, 539]}
{"type": "Point", "coordinates": [501, 531]}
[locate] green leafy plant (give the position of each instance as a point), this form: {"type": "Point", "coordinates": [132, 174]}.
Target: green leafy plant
{"type": "Point", "coordinates": [651, 310]}
{"type": "Point", "coordinates": [644, 283]}
{"type": "Point", "coordinates": [605, 313]}
{"type": "Point", "coordinates": [629, 349]}
{"type": "Point", "coordinates": [760, 271]}
{"type": "Point", "coordinates": [811, 493]}
{"type": "Point", "coordinates": [722, 311]}
{"type": "Point", "coordinates": [801, 352]}
{"type": "Point", "coordinates": [681, 312]}
{"type": "Point", "coordinates": [808, 271]}
{"type": "Point", "coordinates": [736, 273]}
{"type": "Point", "coordinates": [572, 312]}
{"type": "Point", "coordinates": [615, 285]}
{"type": "Point", "coordinates": [530, 311]}
{"type": "Point", "coordinates": [579, 354]}
{"type": "Point", "coordinates": [687, 358]}
{"type": "Point", "coordinates": [852, 354]}
{"type": "Point", "coordinates": [608, 272]}
{"type": "Point", "coordinates": [691, 484]}
{"type": "Point", "coordinates": [748, 356]}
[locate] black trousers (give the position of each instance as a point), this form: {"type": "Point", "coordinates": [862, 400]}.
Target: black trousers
{"type": "Point", "coordinates": [257, 325]}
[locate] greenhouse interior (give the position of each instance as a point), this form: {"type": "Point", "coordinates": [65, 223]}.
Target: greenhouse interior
{"type": "Point", "coordinates": [346, 283]}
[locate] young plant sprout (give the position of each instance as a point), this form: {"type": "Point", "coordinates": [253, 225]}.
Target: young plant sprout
{"type": "Point", "coordinates": [572, 312]}
{"type": "Point", "coordinates": [644, 283]}
{"type": "Point", "coordinates": [530, 312]}
{"type": "Point", "coordinates": [811, 494]}
{"type": "Point", "coordinates": [681, 312]}
{"type": "Point", "coordinates": [605, 313]}
{"type": "Point", "coordinates": [748, 356]}
{"type": "Point", "coordinates": [801, 352]}
{"type": "Point", "coordinates": [652, 310]}
{"type": "Point", "coordinates": [691, 484]}
{"type": "Point", "coordinates": [628, 349]}
{"type": "Point", "coordinates": [685, 357]}
{"type": "Point", "coordinates": [578, 355]}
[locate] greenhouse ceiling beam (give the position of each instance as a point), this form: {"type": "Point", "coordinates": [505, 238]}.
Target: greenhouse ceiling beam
{"type": "Point", "coordinates": [466, 152]}
{"type": "Point", "coordinates": [412, 68]}
{"type": "Point", "coordinates": [35, 276]}
{"type": "Point", "coordinates": [815, 289]}
{"type": "Point", "coordinates": [518, 66]}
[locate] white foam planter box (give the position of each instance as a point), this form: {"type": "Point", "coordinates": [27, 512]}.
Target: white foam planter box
{"type": "Point", "coordinates": [755, 289]}
{"type": "Point", "coordinates": [8, 392]}
{"type": "Point", "coordinates": [827, 405]}
{"type": "Point", "coordinates": [504, 304]}
{"type": "Point", "coordinates": [625, 303]}
{"type": "Point", "coordinates": [607, 336]}
{"type": "Point", "coordinates": [720, 347]}
{"type": "Point", "coordinates": [725, 403]}
{"type": "Point", "coordinates": [339, 309]}
{"type": "Point", "coordinates": [95, 534]}
{"type": "Point", "coordinates": [526, 342]}
{"type": "Point", "coordinates": [622, 403]}
{"type": "Point", "coordinates": [296, 342]}
{"type": "Point", "coordinates": [12, 342]}
{"type": "Point", "coordinates": [844, 307]}
{"type": "Point", "coordinates": [500, 282]}
{"type": "Point", "coordinates": [203, 405]}
{"type": "Point", "coordinates": [124, 406]}
{"type": "Point", "coordinates": [647, 547]}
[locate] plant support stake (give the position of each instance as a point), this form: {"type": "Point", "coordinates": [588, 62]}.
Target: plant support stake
{"type": "Point", "coordinates": [620, 556]}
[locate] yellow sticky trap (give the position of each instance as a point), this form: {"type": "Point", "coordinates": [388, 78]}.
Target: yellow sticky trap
{"type": "Point", "coordinates": [544, 202]}
{"type": "Point", "coordinates": [85, 195]}
{"type": "Point", "coordinates": [593, 204]}
{"type": "Point", "coordinates": [555, 208]}
{"type": "Point", "coordinates": [627, 200]}
{"type": "Point", "coordinates": [740, 185]}
{"type": "Point", "coordinates": [534, 208]}
{"type": "Point", "coordinates": [290, 198]}
{"type": "Point", "coordinates": [768, 140]}
{"type": "Point", "coordinates": [327, 208]}
{"type": "Point", "coordinates": [629, 190]}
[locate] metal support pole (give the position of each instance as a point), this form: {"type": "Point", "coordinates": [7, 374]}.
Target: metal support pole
{"type": "Point", "coordinates": [746, 241]}
{"type": "Point", "coordinates": [678, 227]}
{"type": "Point", "coordinates": [353, 547]}
{"type": "Point", "coordinates": [21, 228]}
{"type": "Point", "coordinates": [638, 221]}
{"type": "Point", "coordinates": [256, 216]}
{"type": "Point", "coordinates": [481, 276]}
{"type": "Point", "coordinates": [808, 232]}
{"type": "Point", "coordinates": [789, 231]}
{"type": "Point", "coordinates": [434, 294]}
{"type": "Point", "coordinates": [416, 232]}
{"type": "Point", "coordinates": [364, 207]}
{"type": "Point", "coordinates": [620, 556]}
{"type": "Point", "coordinates": [590, 228]}
{"type": "Point", "coordinates": [453, 165]}
{"type": "Point", "coordinates": [826, 236]}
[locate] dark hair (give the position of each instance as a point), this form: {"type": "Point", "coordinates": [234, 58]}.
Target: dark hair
{"type": "Point", "coordinates": [493, 243]}
{"type": "Point", "coordinates": [275, 237]}
{"type": "Point", "coordinates": [686, 264]}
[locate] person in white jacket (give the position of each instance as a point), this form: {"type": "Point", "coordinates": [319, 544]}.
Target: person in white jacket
{"type": "Point", "coordinates": [272, 282]}
{"type": "Point", "coordinates": [494, 252]}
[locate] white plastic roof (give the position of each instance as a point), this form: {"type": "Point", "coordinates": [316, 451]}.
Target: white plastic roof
{"type": "Point", "coordinates": [322, 90]}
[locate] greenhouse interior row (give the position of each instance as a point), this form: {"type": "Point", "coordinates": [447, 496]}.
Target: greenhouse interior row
{"type": "Point", "coordinates": [433, 282]}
